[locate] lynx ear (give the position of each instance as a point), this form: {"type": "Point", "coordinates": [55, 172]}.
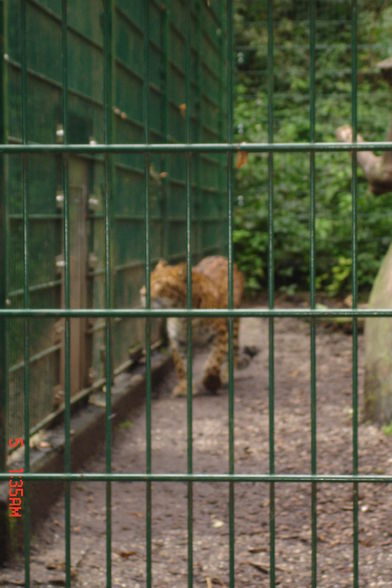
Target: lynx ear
{"type": "Point", "coordinates": [161, 263]}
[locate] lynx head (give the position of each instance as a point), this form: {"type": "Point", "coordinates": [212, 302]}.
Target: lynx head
{"type": "Point", "coordinates": [168, 286]}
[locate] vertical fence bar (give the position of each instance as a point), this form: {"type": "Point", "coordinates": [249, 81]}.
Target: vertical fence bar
{"type": "Point", "coordinates": [3, 271]}
{"type": "Point", "coordinates": [229, 131]}
{"type": "Point", "coordinates": [26, 295]}
{"type": "Point", "coordinates": [67, 299]}
{"type": "Point", "coordinates": [3, 257]}
{"type": "Point", "coordinates": [188, 19]}
{"type": "Point", "coordinates": [222, 116]}
{"type": "Point", "coordinates": [313, 377]}
{"type": "Point", "coordinates": [147, 253]}
{"type": "Point", "coordinates": [197, 138]}
{"type": "Point", "coordinates": [165, 125]}
{"type": "Point", "coordinates": [354, 253]}
{"type": "Point", "coordinates": [271, 289]}
{"type": "Point", "coordinates": [108, 139]}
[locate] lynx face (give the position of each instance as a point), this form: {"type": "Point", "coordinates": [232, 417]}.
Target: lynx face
{"type": "Point", "coordinates": [168, 286]}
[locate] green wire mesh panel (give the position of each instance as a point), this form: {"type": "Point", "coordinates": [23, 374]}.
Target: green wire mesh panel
{"type": "Point", "coordinates": [117, 148]}
{"type": "Point", "coordinates": [39, 114]}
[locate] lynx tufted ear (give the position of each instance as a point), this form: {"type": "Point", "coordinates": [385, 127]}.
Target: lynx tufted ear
{"type": "Point", "coordinates": [161, 263]}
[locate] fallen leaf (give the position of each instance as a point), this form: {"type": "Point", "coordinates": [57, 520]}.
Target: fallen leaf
{"type": "Point", "coordinates": [259, 566]}
{"type": "Point", "coordinates": [125, 554]}
{"type": "Point", "coordinates": [139, 515]}
{"type": "Point", "coordinates": [256, 549]}
{"type": "Point", "coordinates": [262, 566]}
{"type": "Point", "coordinates": [241, 159]}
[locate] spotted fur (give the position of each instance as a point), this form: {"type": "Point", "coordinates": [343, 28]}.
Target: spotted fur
{"type": "Point", "coordinates": [209, 290]}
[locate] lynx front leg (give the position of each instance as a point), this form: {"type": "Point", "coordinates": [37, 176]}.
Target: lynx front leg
{"type": "Point", "coordinates": [242, 360]}
{"type": "Point", "coordinates": [212, 378]}
{"type": "Point", "coordinates": [180, 366]}
{"type": "Point", "coordinates": [176, 329]}
{"type": "Point", "coordinates": [239, 360]}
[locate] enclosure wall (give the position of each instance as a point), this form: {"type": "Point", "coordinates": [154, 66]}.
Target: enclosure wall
{"type": "Point", "coordinates": [34, 105]}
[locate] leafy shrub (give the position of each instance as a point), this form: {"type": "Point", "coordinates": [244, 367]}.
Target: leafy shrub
{"type": "Point", "coordinates": [291, 185]}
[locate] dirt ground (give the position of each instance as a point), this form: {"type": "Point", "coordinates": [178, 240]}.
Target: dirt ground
{"type": "Point", "coordinates": [211, 521]}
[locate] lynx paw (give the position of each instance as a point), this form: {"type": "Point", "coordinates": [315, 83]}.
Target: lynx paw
{"type": "Point", "coordinates": [212, 382]}
{"type": "Point", "coordinates": [180, 390]}
{"type": "Point", "coordinates": [243, 361]}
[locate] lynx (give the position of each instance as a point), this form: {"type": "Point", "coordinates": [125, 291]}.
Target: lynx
{"type": "Point", "coordinates": [209, 290]}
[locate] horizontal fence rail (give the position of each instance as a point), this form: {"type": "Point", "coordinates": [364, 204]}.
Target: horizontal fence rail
{"type": "Point", "coordinates": [197, 147]}
{"type": "Point", "coordinates": [180, 477]}
{"type": "Point", "coordinates": [195, 312]}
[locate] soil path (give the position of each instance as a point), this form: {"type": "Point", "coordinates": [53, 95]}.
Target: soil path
{"type": "Point", "coordinates": [211, 519]}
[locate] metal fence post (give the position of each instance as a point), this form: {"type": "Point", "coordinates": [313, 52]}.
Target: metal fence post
{"type": "Point", "coordinates": [312, 281]}
{"type": "Point", "coordinates": [165, 181]}
{"type": "Point", "coordinates": [230, 178]}
{"type": "Point", "coordinates": [4, 521]}
{"type": "Point", "coordinates": [109, 18]}
{"type": "Point", "coordinates": [354, 257]}
{"type": "Point", "coordinates": [188, 33]}
{"type": "Point", "coordinates": [3, 256]}
{"type": "Point", "coordinates": [147, 273]}
{"type": "Point", "coordinates": [271, 285]}
{"type": "Point", "coordinates": [26, 290]}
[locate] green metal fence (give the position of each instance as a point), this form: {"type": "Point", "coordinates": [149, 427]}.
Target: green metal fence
{"type": "Point", "coordinates": [189, 147]}
{"type": "Point", "coordinates": [60, 86]}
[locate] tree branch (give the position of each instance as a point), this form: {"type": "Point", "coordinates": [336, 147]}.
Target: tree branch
{"type": "Point", "coordinates": [377, 169]}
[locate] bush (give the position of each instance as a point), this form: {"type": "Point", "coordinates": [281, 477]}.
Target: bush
{"type": "Point", "coordinates": [291, 186]}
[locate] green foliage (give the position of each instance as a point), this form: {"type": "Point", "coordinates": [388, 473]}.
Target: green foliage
{"type": "Point", "coordinates": [127, 424]}
{"type": "Point", "coordinates": [387, 429]}
{"type": "Point", "coordinates": [291, 184]}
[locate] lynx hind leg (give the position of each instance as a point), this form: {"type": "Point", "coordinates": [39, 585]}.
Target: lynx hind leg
{"type": "Point", "coordinates": [241, 360]}
{"type": "Point", "coordinates": [236, 345]}
{"type": "Point", "coordinates": [236, 339]}
{"type": "Point", "coordinates": [180, 366]}
{"type": "Point", "coordinates": [212, 373]}
{"type": "Point", "coordinates": [238, 360]}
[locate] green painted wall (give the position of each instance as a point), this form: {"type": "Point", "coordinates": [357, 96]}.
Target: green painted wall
{"type": "Point", "coordinates": [167, 91]}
